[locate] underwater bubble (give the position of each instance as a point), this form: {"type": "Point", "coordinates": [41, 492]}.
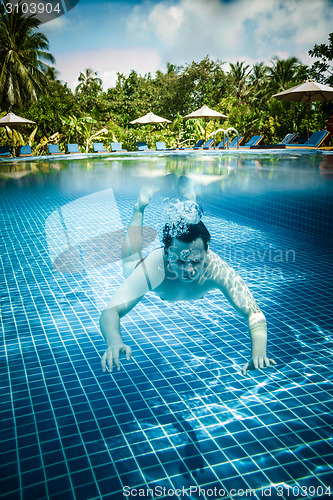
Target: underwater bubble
{"type": "Point", "coordinates": [179, 215]}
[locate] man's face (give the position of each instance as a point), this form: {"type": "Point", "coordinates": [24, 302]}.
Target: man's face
{"type": "Point", "coordinates": [186, 260]}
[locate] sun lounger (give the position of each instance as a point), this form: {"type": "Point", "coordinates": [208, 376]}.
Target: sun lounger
{"type": "Point", "coordinates": [226, 142]}
{"type": "Point", "coordinates": [232, 144]}
{"type": "Point", "coordinates": [223, 144]}
{"type": "Point", "coordinates": [288, 139]}
{"type": "Point", "coordinates": [98, 147]}
{"type": "Point", "coordinates": [208, 144]}
{"type": "Point", "coordinates": [160, 146]}
{"type": "Point", "coordinates": [116, 147]}
{"type": "Point", "coordinates": [54, 149]}
{"type": "Point", "coordinates": [142, 146]}
{"type": "Point", "coordinates": [25, 151]}
{"type": "Point", "coordinates": [4, 151]}
{"type": "Point", "coordinates": [316, 139]}
{"type": "Point", "coordinates": [254, 141]}
{"type": "Point", "coordinates": [73, 148]}
{"type": "Point", "coordinates": [236, 141]}
{"type": "Point", "coordinates": [199, 144]}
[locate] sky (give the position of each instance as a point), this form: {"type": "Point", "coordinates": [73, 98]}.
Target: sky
{"type": "Point", "coordinates": [144, 35]}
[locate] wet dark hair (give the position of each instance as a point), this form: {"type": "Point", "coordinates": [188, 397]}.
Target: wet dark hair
{"type": "Point", "coordinates": [193, 232]}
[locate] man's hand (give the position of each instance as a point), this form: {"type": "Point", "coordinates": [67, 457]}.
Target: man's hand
{"type": "Point", "coordinates": [111, 356]}
{"type": "Point", "coordinates": [257, 362]}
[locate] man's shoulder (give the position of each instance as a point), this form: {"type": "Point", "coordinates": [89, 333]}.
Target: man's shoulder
{"type": "Point", "coordinates": [154, 264]}
{"type": "Point", "coordinates": [213, 258]}
{"type": "Point", "coordinates": [156, 255]}
{"type": "Point", "coordinates": [216, 266]}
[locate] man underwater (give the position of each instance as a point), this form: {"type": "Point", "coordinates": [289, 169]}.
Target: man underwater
{"type": "Point", "coordinates": [184, 269]}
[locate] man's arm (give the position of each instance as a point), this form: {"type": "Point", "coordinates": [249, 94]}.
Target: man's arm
{"type": "Point", "coordinates": [238, 294]}
{"type": "Point", "coordinates": [147, 276]}
{"type": "Point", "coordinates": [110, 328]}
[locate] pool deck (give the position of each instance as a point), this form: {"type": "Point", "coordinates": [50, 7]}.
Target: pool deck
{"type": "Point", "coordinates": [74, 156]}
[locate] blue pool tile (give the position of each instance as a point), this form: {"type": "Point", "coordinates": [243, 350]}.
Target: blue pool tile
{"type": "Point", "coordinates": [36, 491]}
{"type": "Point", "coordinates": [10, 485]}
{"type": "Point", "coordinates": [277, 475]}
{"type": "Point", "coordinates": [110, 487]}
{"type": "Point", "coordinates": [69, 431]}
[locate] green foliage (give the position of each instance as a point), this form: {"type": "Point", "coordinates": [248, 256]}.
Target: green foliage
{"type": "Point", "coordinates": [23, 57]}
{"type": "Point", "coordinates": [60, 101]}
{"type": "Point", "coordinates": [17, 138]}
{"type": "Point", "coordinates": [285, 73]}
{"type": "Point", "coordinates": [84, 131]}
{"type": "Point", "coordinates": [322, 70]}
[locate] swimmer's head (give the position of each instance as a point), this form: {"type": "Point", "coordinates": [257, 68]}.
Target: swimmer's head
{"type": "Point", "coordinates": [183, 221]}
{"type": "Point", "coordinates": [191, 233]}
{"type": "Point", "coordinates": [186, 239]}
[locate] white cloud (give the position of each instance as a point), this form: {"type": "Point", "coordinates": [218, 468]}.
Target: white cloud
{"type": "Point", "coordinates": [242, 29]}
{"type": "Point", "coordinates": [166, 21]}
{"type": "Point", "coordinates": [145, 36]}
{"type": "Point", "coordinates": [107, 62]}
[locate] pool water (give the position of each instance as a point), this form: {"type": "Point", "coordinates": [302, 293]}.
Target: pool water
{"type": "Point", "coordinates": [179, 420]}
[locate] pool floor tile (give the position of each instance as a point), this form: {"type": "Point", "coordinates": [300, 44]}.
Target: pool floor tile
{"type": "Point", "coordinates": [180, 413]}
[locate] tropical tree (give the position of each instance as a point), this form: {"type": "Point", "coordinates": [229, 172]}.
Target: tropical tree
{"type": "Point", "coordinates": [59, 101]}
{"type": "Point", "coordinates": [238, 75]}
{"type": "Point", "coordinates": [285, 73]}
{"type": "Point", "coordinates": [133, 96]}
{"type": "Point", "coordinates": [89, 92]}
{"type": "Point", "coordinates": [322, 70]}
{"type": "Point", "coordinates": [200, 83]}
{"type": "Point", "coordinates": [88, 81]}
{"type": "Point", "coordinates": [23, 57]}
{"type": "Point", "coordinates": [259, 92]}
{"type": "Point", "coordinates": [258, 74]}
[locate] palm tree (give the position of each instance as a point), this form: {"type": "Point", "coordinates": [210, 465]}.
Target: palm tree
{"type": "Point", "coordinates": [52, 74]}
{"type": "Point", "coordinates": [239, 73]}
{"type": "Point", "coordinates": [88, 78]}
{"type": "Point", "coordinates": [258, 74]}
{"type": "Point", "coordinates": [285, 73]}
{"type": "Point", "coordinates": [23, 57]}
{"type": "Point", "coordinates": [259, 88]}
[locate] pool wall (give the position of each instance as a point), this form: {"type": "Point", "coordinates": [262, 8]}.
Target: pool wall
{"type": "Point", "coordinates": [302, 212]}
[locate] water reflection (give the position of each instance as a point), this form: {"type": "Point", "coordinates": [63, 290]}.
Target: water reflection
{"type": "Point", "coordinates": [209, 170]}
{"type": "Point", "coordinates": [326, 167]}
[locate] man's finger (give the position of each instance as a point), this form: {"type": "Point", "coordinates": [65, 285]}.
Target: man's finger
{"type": "Point", "coordinates": [103, 362]}
{"type": "Point", "coordinates": [116, 359]}
{"type": "Point", "coordinates": [110, 360]}
{"type": "Point", "coordinates": [245, 367]}
{"type": "Point", "coordinates": [128, 351]}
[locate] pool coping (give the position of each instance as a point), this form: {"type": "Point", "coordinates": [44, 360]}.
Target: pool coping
{"type": "Point", "coordinates": [124, 154]}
